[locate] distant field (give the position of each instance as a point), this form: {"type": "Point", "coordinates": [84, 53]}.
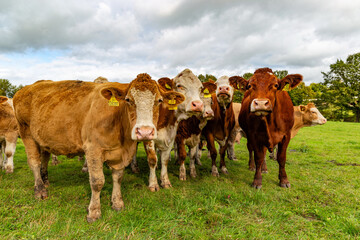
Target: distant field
{"type": "Point", "coordinates": [324, 200]}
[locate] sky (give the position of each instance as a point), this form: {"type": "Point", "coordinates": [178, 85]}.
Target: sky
{"type": "Point", "coordinates": [118, 39]}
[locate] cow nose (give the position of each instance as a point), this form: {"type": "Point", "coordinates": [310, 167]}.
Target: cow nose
{"type": "Point", "coordinates": [197, 106]}
{"type": "Point", "coordinates": [224, 89]}
{"type": "Point", "coordinates": [324, 120]}
{"type": "Point", "coordinates": [209, 114]}
{"type": "Point", "coordinates": [261, 105]}
{"type": "Point", "coordinates": [145, 133]}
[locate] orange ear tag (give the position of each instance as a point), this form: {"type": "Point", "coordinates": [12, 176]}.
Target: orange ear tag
{"type": "Point", "coordinates": [113, 102]}
{"type": "Point", "coordinates": [172, 102]}
{"type": "Point", "coordinates": [206, 93]}
{"type": "Point", "coordinates": [167, 86]}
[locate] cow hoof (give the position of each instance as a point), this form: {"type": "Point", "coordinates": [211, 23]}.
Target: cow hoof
{"type": "Point", "coordinates": [166, 185]}
{"type": "Point", "coordinates": [224, 170]}
{"type": "Point", "coordinates": [215, 174]}
{"type": "Point", "coordinates": [252, 169]}
{"type": "Point", "coordinates": [193, 174]}
{"type": "Point", "coordinates": [118, 206]}
{"type": "Point", "coordinates": [264, 171]}
{"type": "Point", "coordinates": [91, 219]}
{"type": "Point", "coordinates": [46, 183]}
{"type": "Point", "coordinates": [198, 162]}
{"type": "Point", "coordinates": [84, 169]}
{"type": "Point", "coordinates": [256, 186]}
{"type": "Point", "coordinates": [135, 170]}
{"type": "Point", "coordinates": [154, 188]}
{"type": "Point", "coordinates": [9, 169]}
{"type": "Point", "coordinates": [182, 177]}
{"type": "Point", "coordinates": [93, 215]}
{"type": "Point", "coordinates": [285, 185]}
{"type": "Point", "coordinates": [41, 194]}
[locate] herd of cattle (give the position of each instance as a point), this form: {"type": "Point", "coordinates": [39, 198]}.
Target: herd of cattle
{"type": "Point", "coordinates": [104, 121]}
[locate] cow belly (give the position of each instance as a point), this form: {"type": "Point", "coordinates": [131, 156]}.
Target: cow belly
{"type": "Point", "coordinates": [193, 141]}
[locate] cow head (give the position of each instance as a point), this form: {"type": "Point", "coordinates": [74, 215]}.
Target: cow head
{"type": "Point", "coordinates": [311, 115]}
{"type": "Point", "coordinates": [225, 89]}
{"type": "Point", "coordinates": [101, 80]}
{"type": "Point", "coordinates": [208, 89]}
{"type": "Point", "coordinates": [190, 86]}
{"type": "Point", "coordinates": [3, 99]}
{"type": "Point", "coordinates": [262, 87]}
{"type": "Point", "coordinates": [143, 97]}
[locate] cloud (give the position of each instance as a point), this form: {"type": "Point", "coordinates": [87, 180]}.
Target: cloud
{"type": "Point", "coordinates": [119, 39]}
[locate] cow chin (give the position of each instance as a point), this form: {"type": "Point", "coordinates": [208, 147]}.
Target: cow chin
{"type": "Point", "coordinates": [262, 113]}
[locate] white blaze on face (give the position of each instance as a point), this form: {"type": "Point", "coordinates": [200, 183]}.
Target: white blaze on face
{"type": "Point", "coordinates": [320, 118]}
{"type": "Point", "coordinates": [224, 91]}
{"type": "Point", "coordinates": [144, 101]}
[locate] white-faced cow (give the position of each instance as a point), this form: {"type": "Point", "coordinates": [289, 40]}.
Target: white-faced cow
{"type": "Point", "coordinates": [102, 121]}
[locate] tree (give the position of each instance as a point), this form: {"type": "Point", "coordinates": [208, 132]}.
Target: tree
{"type": "Point", "coordinates": [302, 94]}
{"type": "Point", "coordinates": [7, 89]}
{"type": "Point", "coordinates": [343, 85]}
{"type": "Point", "coordinates": [207, 77]}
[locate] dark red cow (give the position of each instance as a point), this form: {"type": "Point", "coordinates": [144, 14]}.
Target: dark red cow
{"type": "Point", "coordinates": [267, 117]}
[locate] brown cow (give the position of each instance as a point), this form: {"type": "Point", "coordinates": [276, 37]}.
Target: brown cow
{"type": "Point", "coordinates": [104, 121]}
{"type": "Point", "coordinates": [8, 134]}
{"type": "Point", "coordinates": [304, 116]}
{"type": "Point", "coordinates": [189, 132]}
{"type": "Point", "coordinates": [219, 128]}
{"type": "Point", "coordinates": [266, 117]}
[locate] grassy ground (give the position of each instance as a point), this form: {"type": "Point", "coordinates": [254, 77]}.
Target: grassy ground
{"type": "Point", "coordinates": [323, 203]}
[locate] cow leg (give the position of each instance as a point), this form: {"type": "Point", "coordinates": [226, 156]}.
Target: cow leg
{"type": "Point", "coordinates": [264, 166]}
{"type": "Point", "coordinates": [152, 161]}
{"type": "Point", "coordinates": [193, 152]}
{"type": "Point", "coordinates": [176, 155]}
{"type": "Point", "coordinates": [34, 162]}
{"type": "Point", "coordinates": [212, 149]}
{"type": "Point", "coordinates": [45, 157]}
{"type": "Point", "coordinates": [259, 158]}
{"type": "Point", "coordinates": [182, 156]}
{"type": "Point", "coordinates": [251, 157]}
{"type": "Point", "coordinates": [2, 150]}
{"type": "Point", "coordinates": [281, 158]}
{"type": "Point", "coordinates": [54, 160]}
{"type": "Point", "coordinates": [116, 198]}
{"type": "Point", "coordinates": [85, 167]}
{"type": "Point", "coordinates": [198, 154]}
{"type": "Point", "coordinates": [97, 180]}
{"type": "Point", "coordinates": [273, 154]}
{"type": "Point", "coordinates": [230, 148]}
{"type": "Point", "coordinates": [134, 165]}
{"type": "Point", "coordinates": [10, 147]}
{"type": "Point", "coordinates": [165, 182]}
{"type": "Point", "coordinates": [222, 159]}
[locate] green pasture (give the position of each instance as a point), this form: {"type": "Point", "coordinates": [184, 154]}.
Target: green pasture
{"type": "Point", "coordinates": [323, 166]}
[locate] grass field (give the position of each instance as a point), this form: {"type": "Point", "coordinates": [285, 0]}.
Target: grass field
{"type": "Point", "coordinates": [323, 203]}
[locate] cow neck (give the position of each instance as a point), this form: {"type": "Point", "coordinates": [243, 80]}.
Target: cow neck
{"type": "Point", "coordinates": [298, 122]}
{"type": "Point", "coordinates": [168, 117]}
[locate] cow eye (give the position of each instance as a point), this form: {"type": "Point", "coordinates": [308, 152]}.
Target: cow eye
{"type": "Point", "coordinates": [160, 100]}
{"type": "Point", "coordinates": [127, 99]}
{"type": "Point", "coordinates": [180, 87]}
{"type": "Point", "coordinates": [248, 86]}
{"type": "Point", "coordinates": [276, 85]}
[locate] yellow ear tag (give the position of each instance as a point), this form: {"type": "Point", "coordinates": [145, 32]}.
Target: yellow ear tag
{"type": "Point", "coordinates": [238, 85]}
{"type": "Point", "coordinates": [167, 86]}
{"type": "Point", "coordinates": [206, 90]}
{"type": "Point", "coordinates": [113, 102]}
{"type": "Point", "coordinates": [172, 102]}
{"type": "Point", "coordinates": [207, 93]}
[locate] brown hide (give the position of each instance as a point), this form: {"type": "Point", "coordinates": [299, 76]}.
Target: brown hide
{"type": "Point", "coordinates": [265, 130]}
{"type": "Point", "coordinates": [219, 129]}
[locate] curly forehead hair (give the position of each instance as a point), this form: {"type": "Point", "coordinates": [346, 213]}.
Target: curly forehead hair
{"type": "Point", "coordinates": [144, 82]}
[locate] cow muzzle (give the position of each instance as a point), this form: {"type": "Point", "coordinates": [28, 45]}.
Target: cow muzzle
{"type": "Point", "coordinates": [261, 106]}
{"type": "Point", "coordinates": [208, 114]}
{"type": "Point", "coordinates": [145, 133]}
{"type": "Point", "coordinates": [197, 106]}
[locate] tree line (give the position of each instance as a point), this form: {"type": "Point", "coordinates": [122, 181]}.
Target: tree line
{"type": "Point", "coordinates": [337, 97]}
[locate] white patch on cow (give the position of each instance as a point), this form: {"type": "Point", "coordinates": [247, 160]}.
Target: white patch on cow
{"type": "Point", "coordinates": [10, 102]}
{"type": "Point", "coordinates": [144, 101]}
{"type": "Point", "coordinates": [192, 90]}
{"type": "Point", "coordinates": [320, 118]}
{"type": "Point", "coordinates": [224, 82]}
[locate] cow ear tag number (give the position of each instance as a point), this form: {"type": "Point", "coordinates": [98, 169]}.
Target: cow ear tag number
{"type": "Point", "coordinates": [167, 86]}
{"type": "Point", "coordinates": [207, 93]}
{"type": "Point", "coordinates": [113, 102]}
{"type": "Point", "coordinates": [172, 102]}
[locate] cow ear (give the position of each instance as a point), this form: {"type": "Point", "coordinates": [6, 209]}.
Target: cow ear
{"type": "Point", "coordinates": [302, 108]}
{"type": "Point", "coordinates": [110, 92]}
{"type": "Point", "coordinates": [172, 99]}
{"type": "Point", "coordinates": [209, 88]}
{"type": "Point", "coordinates": [3, 99]}
{"type": "Point", "coordinates": [238, 83]}
{"type": "Point", "coordinates": [166, 84]}
{"type": "Point", "coordinates": [293, 80]}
